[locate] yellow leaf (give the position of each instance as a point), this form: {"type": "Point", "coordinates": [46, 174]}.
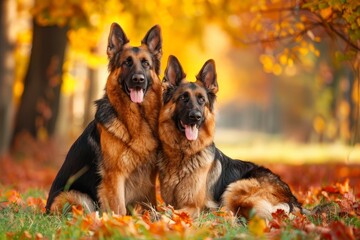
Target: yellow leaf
{"type": "Point", "coordinates": [254, 8]}
{"type": "Point", "coordinates": [268, 62]}
{"type": "Point", "coordinates": [277, 69]}
{"type": "Point", "coordinates": [300, 26]}
{"type": "Point", "coordinates": [319, 124]}
{"type": "Point", "coordinates": [69, 84]}
{"type": "Point", "coordinates": [355, 92]}
{"type": "Point", "coordinates": [277, 27]}
{"type": "Point", "coordinates": [344, 109]}
{"type": "Point", "coordinates": [283, 59]}
{"type": "Point", "coordinates": [317, 53]}
{"type": "Point", "coordinates": [24, 37]}
{"type": "Point", "coordinates": [311, 47]}
{"type": "Point", "coordinates": [283, 33]}
{"type": "Point", "coordinates": [325, 13]}
{"type": "Point", "coordinates": [290, 62]}
{"type": "Point", "coordinates": [303, 50]}
{"type": "Point", "coordinates": [18, 89]}
{"type": "Point", "coordinates": [257, 226]}
{"type": "Point", "coordinates": [258, 27]}
{"type": "Point", "coordinates": [298, 38]}
{"type": "Point", "coordinates": [284, 24]}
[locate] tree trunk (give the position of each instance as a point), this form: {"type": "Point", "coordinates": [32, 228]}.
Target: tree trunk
{"type": "Point", "coordinates": [6, 79]}
{"type": "Point", "coordinates": [39, 104]}
{"type": "Point", "coordinates": [90, 97]}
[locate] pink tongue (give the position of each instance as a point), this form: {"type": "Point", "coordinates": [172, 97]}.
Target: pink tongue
{"type": "Point", "coordinates": [137, 96]}
{"type": "Point", "coordinates": [191, 132]}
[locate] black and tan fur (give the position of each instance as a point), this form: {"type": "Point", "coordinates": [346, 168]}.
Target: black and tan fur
{"type": "Point", "coordinates": [193, 173]}
{"type": "Point", "coordinates": [112, 164]}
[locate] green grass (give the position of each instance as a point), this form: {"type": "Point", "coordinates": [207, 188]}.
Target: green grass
{"type": "Point", "coordinates": [23, 220]}
{"type": "Point", "coordinates": [15, 221]}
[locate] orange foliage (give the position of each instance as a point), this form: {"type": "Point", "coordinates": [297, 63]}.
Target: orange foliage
{"type": "Point", "coordinates": [312, 184]}
{"type": "Point", "coordinates": [168, 221]}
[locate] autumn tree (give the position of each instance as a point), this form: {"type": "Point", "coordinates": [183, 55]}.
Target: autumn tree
{"type": "Point", "coordinates": [6, 77]}
{"type": "Point", "coordinates": [287, 32]}
{"type": "Point", "coordinates": [39, 103]}
{"type": "Point", "coordinates": [57, 23]}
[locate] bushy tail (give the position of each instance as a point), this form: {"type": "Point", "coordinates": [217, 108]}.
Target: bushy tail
{"type": "Point", "coordinates": [65, 200]}
{"type": "Point", "coordinates": [245, 195]}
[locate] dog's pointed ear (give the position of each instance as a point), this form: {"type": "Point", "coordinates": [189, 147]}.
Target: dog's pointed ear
{"type": "Point", "coordinates": [174, 72]}
{"type": "Point", "coordinates": [207, 76]}
{"type": "Point", "coordinates": [153, 40]}
{"type": "Point", "coordinates": [116, 40]}
{"type": "Point", "coordinates": [172, 77]}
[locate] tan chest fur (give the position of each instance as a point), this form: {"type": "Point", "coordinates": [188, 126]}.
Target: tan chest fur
{"type": "Point", "coordinates": [130, 140]}
{"type": "Point", "coordinates": [183, 179]}
{"type": "Point", "coordinates": [129, 146]}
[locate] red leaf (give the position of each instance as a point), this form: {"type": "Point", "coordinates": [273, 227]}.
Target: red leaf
{"type": "Point", "coordinates": [278, 218]}
{"type": "Point", "coordinates": [331, 189]}
{"type": "Point", "coordinates": [339, 231]}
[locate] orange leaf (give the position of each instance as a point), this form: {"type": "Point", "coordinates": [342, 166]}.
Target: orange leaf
{"type": "Point", "coordinates": [26, 235]}
{"type": "Point", "coordinates": [343, 188]}
{"type": "Point", "coordinates": [13, 196]}
{"type": "Point", "coordinates": [146, 218]}
{"type": "Point", "coordinates": [89, 222]}
{"type": "Point", "coordinates": [10, 235]}
{"type": "Point", "coordinates": [182, 217]}
{"type": "Point", "coordinates": [77, 210]}
{"type": "Point", "coordinates": [158, 228]}
{"type": "Point", "coordinates": [36, 203]}
{"type": "Point", "coordinates": [39, 236]}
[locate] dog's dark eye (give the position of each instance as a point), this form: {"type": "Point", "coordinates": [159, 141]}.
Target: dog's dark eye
{"type": "Point", "coordinates": [201, 99]}
{"type": "Point", "coordinates": [184, 97]}
{"type": "Point", "coordinates": [128, 62]}
{"type": "Point", "coordinates": [145, 63]}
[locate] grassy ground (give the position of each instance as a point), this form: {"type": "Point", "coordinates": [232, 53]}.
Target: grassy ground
{"type": "Point", "coordinates": [335, 215]}
{"type": "Point", "coordinates": [325, 178]}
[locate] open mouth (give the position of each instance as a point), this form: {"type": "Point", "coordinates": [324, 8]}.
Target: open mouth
{"type": "Point", "coordinates": [191, 131]}
{"type": "Point", "coordinates": [136, 94]}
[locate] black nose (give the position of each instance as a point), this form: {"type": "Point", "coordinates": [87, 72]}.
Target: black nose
{"type": "Point", "coordinates": [138, 78]}
{"type": "Point", "coordinates": [195, 115]}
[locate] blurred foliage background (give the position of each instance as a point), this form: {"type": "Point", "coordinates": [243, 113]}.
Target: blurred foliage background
{"type": "Point", "coordinates": [288, 70]}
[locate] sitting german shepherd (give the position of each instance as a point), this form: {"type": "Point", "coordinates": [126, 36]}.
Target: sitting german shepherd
{"type": "Point", "coordinates": [112, 164]}
{"type": "Point", "coordinates": [193, 173]}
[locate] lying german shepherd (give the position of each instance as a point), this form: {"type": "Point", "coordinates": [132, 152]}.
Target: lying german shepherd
{"type": "Point", "coordinates": [193, 173]}
{"type": "Point", "coordinates": [112, 164]}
